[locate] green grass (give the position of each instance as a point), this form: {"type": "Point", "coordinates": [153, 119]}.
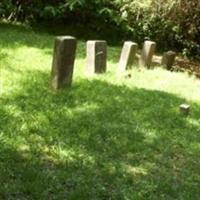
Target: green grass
{"type": "Point", "coordinates": [104, 138]}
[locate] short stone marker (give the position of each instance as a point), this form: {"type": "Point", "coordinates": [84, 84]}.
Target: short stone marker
{"type": "Point", "coordinates": [128, 55]}
{"type": "Point", "coordinates": [96, 56]}
{"type": "Point", "coordinates": [168, 59]}
{"type": "Point", "coordinates": [63, 61]}
{"type": "Point", "coordinates": [185, 109]}
{"type": "Point", "coordinates": [147, 53]}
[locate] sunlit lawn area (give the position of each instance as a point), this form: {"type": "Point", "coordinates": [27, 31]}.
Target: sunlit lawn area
{"type": "Point", "coordinates": [104, 138]}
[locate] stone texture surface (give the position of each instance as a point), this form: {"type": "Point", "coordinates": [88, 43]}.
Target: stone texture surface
{"type": "Point", "coordinates": [128, 55]}
{"type": "Point", "coordinates": [96, 60]}
{"type": "Point", "coordinates": [168, 59]}
{"type": "Point", "coordinates": [147, 53]}
{"type": "Point", "coordinates": [63, 61]}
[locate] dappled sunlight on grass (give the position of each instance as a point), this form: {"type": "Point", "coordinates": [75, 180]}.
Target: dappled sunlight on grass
{"type": "Point", "coordinates": [134, 171]}
{"type": "Point", "coordinates": [103, 138]}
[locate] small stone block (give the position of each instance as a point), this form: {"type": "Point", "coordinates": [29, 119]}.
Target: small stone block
{"type": "Point", "coordinates": [147, 53]}
{"type": "Point", "coordinates": [128, 55]}
{"type": "Point", "coordinates": [185, 109]}
{"type": "Point", "coordinates": [168, 59]}
{"type": "Point", "coordinates": [96, 56]}
{"type": "Point", "coordinates": [63, 62]}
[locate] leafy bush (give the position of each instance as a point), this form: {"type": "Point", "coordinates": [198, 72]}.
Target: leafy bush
{"type": "Point", "coordinates": [171, 23]}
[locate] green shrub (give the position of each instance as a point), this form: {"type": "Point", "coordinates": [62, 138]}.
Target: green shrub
{"type": "Point", "coordinates": [171, 23]}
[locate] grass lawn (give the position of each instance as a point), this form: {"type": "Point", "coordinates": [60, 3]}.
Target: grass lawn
{"type": "Point", "coordinates": [105, 138]}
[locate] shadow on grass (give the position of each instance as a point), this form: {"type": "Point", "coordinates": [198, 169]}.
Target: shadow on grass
{"type": "Point", "coordinates": [97, 141]}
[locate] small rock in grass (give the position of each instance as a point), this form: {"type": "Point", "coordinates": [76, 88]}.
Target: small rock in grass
{"type": "Point", "coordinates": [128, 76]}
{"type": "Point", "coordinates": [185, 109]}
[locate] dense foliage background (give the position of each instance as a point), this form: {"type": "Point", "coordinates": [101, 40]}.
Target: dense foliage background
{"type": "Point", "coordinates": [171, 23]}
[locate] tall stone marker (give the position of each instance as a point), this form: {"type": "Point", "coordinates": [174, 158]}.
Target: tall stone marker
{"type": "Point", "coordinates": [96, 56]}
{"type": "Point", "coordinates": [168, 59]}
{"type": "Point", "coordinates": [63, 61]}
{"type": "Point", "coordinates": [128, 55]}
{"type": "Point", "coordinates": [147, 53]}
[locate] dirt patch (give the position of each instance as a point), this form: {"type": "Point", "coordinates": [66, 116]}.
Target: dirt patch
{"type": "Point", "coordinates": [192, 67]}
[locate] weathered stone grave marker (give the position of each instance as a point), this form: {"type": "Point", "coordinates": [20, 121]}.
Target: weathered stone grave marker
{"type": "Point", "coordinates": [147, 53]}
{"type": "Point", "coordinates": [128, 55]}
{"type": "Point", "coordinates": [96, 56]}
{"type": "Point", "coordinates": [185, 109]}
{"type": "Point", "coordinates": [63, 61]}
{"type": "Point", "coordinates": [168, 59]}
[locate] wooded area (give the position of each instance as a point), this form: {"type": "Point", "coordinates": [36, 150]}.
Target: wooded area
{"type": "Point", "coordinates": [171, 23]}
